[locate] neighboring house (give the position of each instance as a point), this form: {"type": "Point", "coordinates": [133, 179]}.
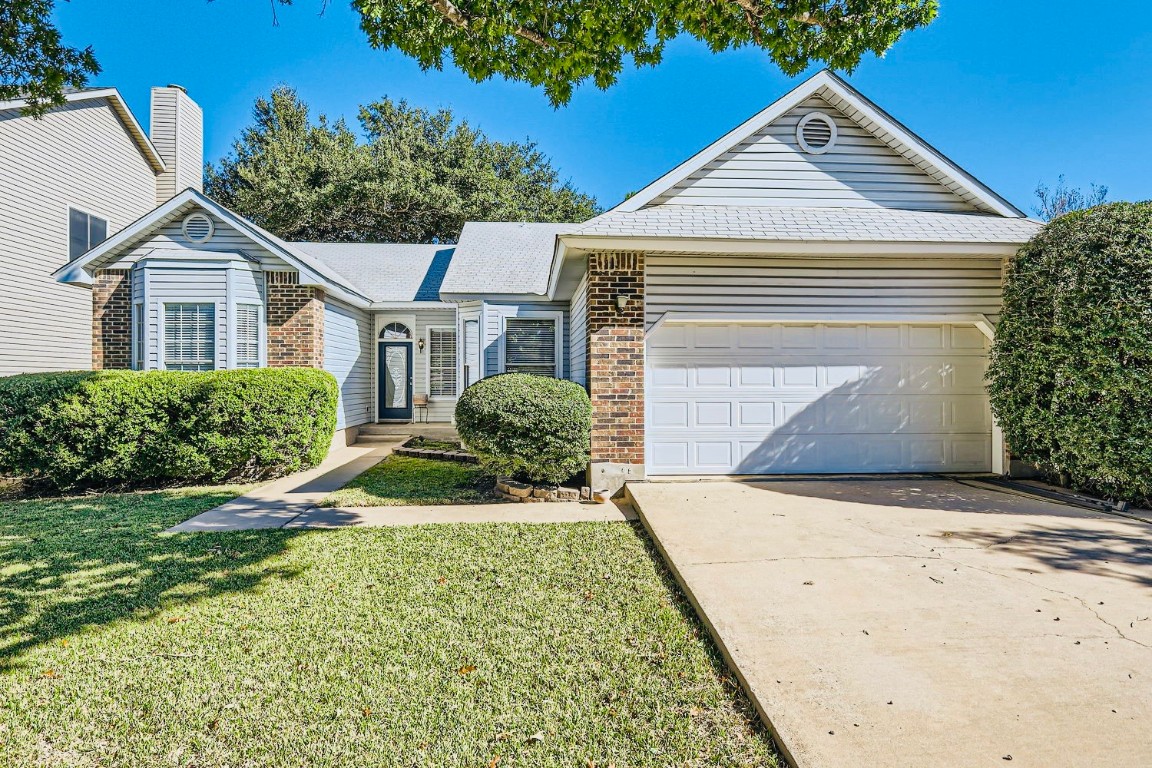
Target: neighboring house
{"type": "Point", "coordinates": [816, 291]}
{"type": "Point", "coordinates": [67, 181]}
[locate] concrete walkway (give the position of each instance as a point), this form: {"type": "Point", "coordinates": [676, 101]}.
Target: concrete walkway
{"type": "Point", "coordinates": [282, 501]}
{"type": "Point", "coordinates": [921, 621]}
{"type": "Point", "coordinates": [290, 502]}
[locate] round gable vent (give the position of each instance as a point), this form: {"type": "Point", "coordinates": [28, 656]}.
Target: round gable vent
{"type": "Point", "coordinates": [198, 228]}
{"type": "Point", "coordinates": [816, 133]}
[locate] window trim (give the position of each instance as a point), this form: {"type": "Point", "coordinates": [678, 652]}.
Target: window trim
{"type": "Point", "coordinates": [108, 231]}
{"type": "Point", "coordinates": [162, 341]}
{"type": "Point", "coordinates": [455, 360]}
{"type": "Point", "coordinates": [235, 362]}
{"type": "Point", "coordinates": [139, 349]}
{"type": "Point", "coordinates": [557, 318]}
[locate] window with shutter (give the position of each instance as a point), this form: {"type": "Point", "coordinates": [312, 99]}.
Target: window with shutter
{"type": "Point", "coordinates": [530, 345]}
{"type": "Point", "coordinates": [442, 362]}
{"type": "Point", "coordinates": [247, 336]}
{"type": "Point", "coordinates": [190, 337]}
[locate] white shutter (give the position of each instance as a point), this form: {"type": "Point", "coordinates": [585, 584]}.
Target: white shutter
{"type": "Point", "coordinates": [247, 336]}
{"type": "Point", "coordinates": [442, 362]}
{"type": "Point", "coordinates": [530, 345]}
{"type": "Point", "coordinates": [189, 337]}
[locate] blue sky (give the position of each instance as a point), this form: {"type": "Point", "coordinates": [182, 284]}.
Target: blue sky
{"type": "Point", "coordinates": [1015, 92]}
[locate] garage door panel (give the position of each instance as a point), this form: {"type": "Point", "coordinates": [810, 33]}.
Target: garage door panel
{"type": "Point", "coordinates": [846, 401]}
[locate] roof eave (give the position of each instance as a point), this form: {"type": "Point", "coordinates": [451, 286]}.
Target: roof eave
{"type": "Point", "coordinates": [763, 246]}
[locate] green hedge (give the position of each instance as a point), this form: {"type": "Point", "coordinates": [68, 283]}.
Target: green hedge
{"type": "Point", "coordinates": [125, 428]}
{"type": "Point", "coordinates": [532, 428]}
{"type": "Point", "coordinates": [1071, 374]}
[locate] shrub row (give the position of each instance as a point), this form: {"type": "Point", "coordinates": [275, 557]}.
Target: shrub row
{"type": "Point", "coordinates": [1071, 373]}
{"type": "Point", "coordinates": [125, 428]}
{"type": "Point", "coordinates": [531, 428]}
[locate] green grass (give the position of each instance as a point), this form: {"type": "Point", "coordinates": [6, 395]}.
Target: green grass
{"type": "Point", "coordinates": [405, 481]}
{"type": "Point", "coordinates": [540, 645]}
{"type": "Point", "coordinates": [433, 445]}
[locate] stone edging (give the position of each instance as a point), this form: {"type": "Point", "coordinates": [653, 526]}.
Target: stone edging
{"type": "Point", "coordinates": [511, 490]}
{"type": "Point", "coordinates": [461, 456]}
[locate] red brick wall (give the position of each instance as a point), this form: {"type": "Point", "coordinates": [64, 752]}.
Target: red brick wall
{"type": "Point", "coordinates": [111, 319]}
{"type": "Point", "coordinates": [616, 356]}
{"type": "Point", "coordinates": [295, 322]}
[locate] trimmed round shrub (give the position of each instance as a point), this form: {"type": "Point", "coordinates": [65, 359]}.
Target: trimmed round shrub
{"type": "Point", "coordinates": [126, 428]}
{"type": "Point", "coordinates": [532, 428]}
{"type": "Point", "coordinates": [1071, 373]}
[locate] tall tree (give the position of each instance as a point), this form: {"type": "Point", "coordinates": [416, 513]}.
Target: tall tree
{"type": "Point", "coordinates": [416, 177]}
{"type": "Point", "coordinates": [1056, 201]}
{"type": "Point", "coordinates": [35, 65]}
{"type": "Point", "coordinates": [553, 44]}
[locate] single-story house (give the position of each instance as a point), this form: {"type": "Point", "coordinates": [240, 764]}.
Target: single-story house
{"type": "Point", "coordinates": [814, 292]}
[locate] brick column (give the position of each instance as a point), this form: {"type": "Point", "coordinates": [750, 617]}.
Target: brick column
{"type": "Point", "coordinates": [616, 367]}
{"type": "Point", "coordinates": [111, 319]}
{"type": "Point", "coordinates": [295, 322]}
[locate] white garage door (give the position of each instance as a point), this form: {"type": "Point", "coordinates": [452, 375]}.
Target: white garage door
{"type": "Point", "coordinates": [763, 399]}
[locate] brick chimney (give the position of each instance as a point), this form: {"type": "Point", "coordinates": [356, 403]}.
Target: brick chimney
{"type": "Point", "coordinates": [177, 130]}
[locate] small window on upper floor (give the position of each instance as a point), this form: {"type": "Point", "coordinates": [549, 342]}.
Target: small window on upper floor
{"type": "Point", "coordinates": [85, 231]}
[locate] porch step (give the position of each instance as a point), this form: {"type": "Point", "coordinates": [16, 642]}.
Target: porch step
{"type": "Point", "coordinates": [382, 439]}
{"type": "Point", "coordinates": [388, 429]}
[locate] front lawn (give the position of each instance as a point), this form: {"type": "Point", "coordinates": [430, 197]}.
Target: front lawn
{"type": "Point", "coordinates": [453, 645]}
{"type": "Point", "coordinates": [405, 481]}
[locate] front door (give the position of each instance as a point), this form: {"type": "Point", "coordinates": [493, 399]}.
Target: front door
{"type": "Point", "coordinates": [394, 372]}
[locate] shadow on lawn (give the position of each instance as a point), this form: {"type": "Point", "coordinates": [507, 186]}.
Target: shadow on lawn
{"type": "Point", "coordinates": [68, 563]}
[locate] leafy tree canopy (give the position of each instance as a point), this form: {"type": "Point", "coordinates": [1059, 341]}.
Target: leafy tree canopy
{"type": "Point", "coordinates": [1053, 202]}
{"type": "Point", "coordinates": [417, 175]}
{"type": "Point", "coordinates": [553, 44]}
{"type": "Point", "coordinates": [34, 64]}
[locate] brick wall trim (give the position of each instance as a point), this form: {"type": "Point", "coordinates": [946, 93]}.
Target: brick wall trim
{"type": "Point", "coordinates": [616, 356]}
{"type": "Point", "coordinates": [111, 319]}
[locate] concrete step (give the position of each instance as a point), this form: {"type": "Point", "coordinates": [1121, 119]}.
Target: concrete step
{"type": "Point", "coordinates": [363, 438]}
{"type": "Point", "coordinates": [388, 429]}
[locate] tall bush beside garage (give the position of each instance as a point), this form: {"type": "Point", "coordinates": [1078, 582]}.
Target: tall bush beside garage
{"type": "Point", "coordinates": [1071, 372]}
{"type": "Point", "coordinates": [124, 428]}
{"type": "Point", "coordinates": [532, 428]}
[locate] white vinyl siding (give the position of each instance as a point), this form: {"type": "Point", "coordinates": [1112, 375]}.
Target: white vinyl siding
{"type": "Point", "coordinates": [578, 334]}
{"type": "Point", "coordinates": [530, 346]}
{"type": "Point", "coordinates": [822, 287]}
{"type": "Point", "coordinates": [349, 355]}
{"type": "Point", "coordinates": [442, 362]}
{"type": "Point", "coordinates": [248, 335]}
{"type": "Point", "coordinates": [770, 168]}
{"type": "Point", "coordinates": [80, 156]}
{"type": "Point", "coordinates": [189, 337]}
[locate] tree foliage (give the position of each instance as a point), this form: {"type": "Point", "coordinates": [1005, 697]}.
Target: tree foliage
{"type": "Point", "coordinates": [557, 44]}
{"type": "Point", "coordinates": [553, 44]}
{"type": "Point", "coordinates": [1061, 199]}
{"type": "Point", "coordinates": [416, 177]}
{"type": "Point", "coordinates": [1071, 373]}
{"type": "Point", "coordinates": [35, 65]}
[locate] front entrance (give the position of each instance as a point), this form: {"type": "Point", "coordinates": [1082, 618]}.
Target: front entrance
{"type": "Point", "coordinates": [394, 372]}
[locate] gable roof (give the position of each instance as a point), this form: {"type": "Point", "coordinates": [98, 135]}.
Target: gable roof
{"type": "Point", "coordinates": [120, 107]}
{"type": "Point", "coordinates": [387, 272]}
{"type": "Point", "coordinates": [503, 258]}
{"type": "Point", "coordinates": [854, 105]}
{"type": "Point", "coordinates": [312, 271]}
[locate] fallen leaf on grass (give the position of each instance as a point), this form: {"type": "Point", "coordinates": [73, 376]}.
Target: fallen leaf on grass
{"type": "Point", "coordinates": [536, 738]}
{"type": "Point", "coordinates": [176, 619]}
{"type": "Point", "coordinates": [366, 711]}
{"type": "Point", "coordinates": [467, 669]}
{"type": "Point", "coordinates": [494, 761]}
{"type": "Point", "coordinates": [50, 673]}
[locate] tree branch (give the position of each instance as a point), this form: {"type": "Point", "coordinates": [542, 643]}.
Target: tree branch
{"type": "Point", "coordinates": [461, 20]}
{"type": "Point", "coordinates": [753, 9]}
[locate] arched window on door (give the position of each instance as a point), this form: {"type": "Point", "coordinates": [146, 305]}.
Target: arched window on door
{"type": "Point", "coordinates": [395, 332]}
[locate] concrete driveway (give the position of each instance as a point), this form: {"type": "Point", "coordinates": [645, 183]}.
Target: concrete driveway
{"type": "Point", "coordinates": [921, 621]}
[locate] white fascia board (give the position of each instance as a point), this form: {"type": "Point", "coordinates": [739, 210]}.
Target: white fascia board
{"type": "Point", "coordinates": [752, 247]}
{"type": "Point", "coordinates": [559, 251]}
{"type": "Point", "coordinates": [723, 144]}
{"type": "Point", "coordinates": [457, 298]}
{"type": "Point", "coordinates": [784, 318]}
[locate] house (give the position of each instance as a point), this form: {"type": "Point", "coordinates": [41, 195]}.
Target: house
{"type": "Point", "coordinates": [815, 291]}
{"type": "Point", "coordinates": [67, 180]}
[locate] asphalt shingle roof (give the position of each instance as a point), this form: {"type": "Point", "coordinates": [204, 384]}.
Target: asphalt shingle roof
{"type": "Point", "coordinates": [503, 258]}
{"type": "Point", "coordinates": [809, 224]}
{"type": "Point", "coordinates": [386, 271]}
